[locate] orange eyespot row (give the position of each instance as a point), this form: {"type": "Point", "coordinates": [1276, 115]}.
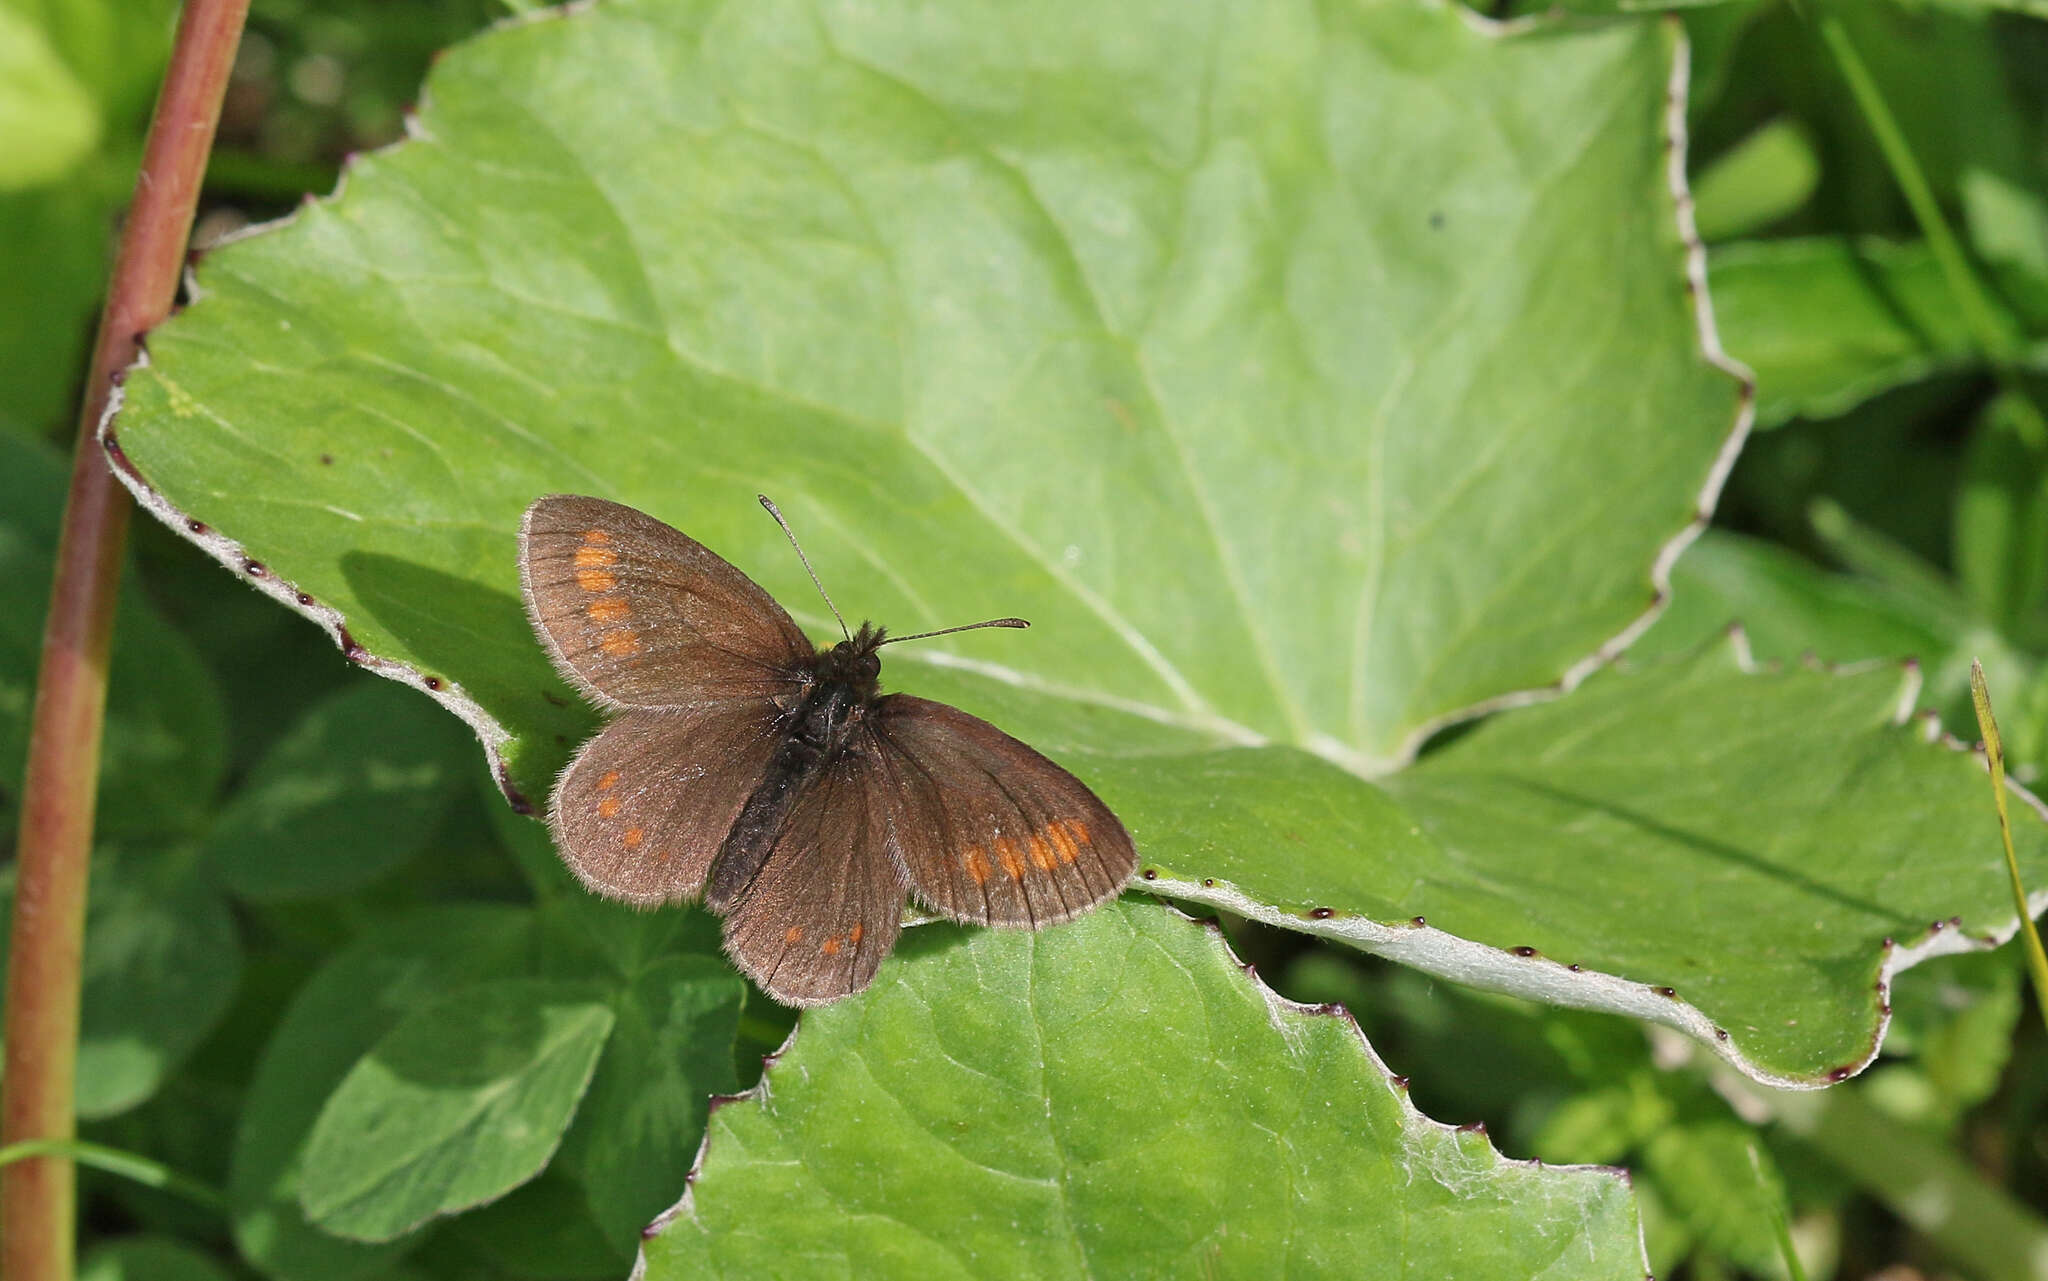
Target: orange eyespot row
{"type": "Point", "coordinates": [977, 866]}
{"type": "Point", "coordinates": [1006, 850]}
{"type": "Point", "coordinates": [829, 947]}
{"type": "Point", "coordinates": [608, 807]}
{"type": "Point", "coordinates": [854, 934]}
{"type": "Point", "coordinates": [794, 934]}
{"type": "Point", "coordinates": [595, 558]}
{"type": "Point", "coordinates": [596, 536]}
{"type": "Point", "coordinates": [1079, 829]}
{"type": "Point", "coordinates": [633, 837]}
{"type": "Point", "coordinates": [596, 580]}
{"type": "Point", "coordinates": [609, 781]}
{"type": "Point", "coordinates": [620, 644]}
{"type": "Point", "coordinates": [1041, 854]}
{"type": "Point", "coordinates": [608, 610]}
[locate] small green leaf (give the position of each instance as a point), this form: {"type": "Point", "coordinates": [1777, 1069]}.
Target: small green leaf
{"type": "Point", "coordinates": [1759, 180]}
{"type": "Point", "coordinates": [462, 1101]}
{"type": "Point", "coordinates": [350, 792]}
{"type": "Point", "coordinates": [1706, 1173]}
{"type": "Point", "coordinates": [393, 967]}
{"type": "Point", "coordinates": [1789, 607]}
{"type": "Point", "coordinates": [1113, 1097]}
{"type": "Point", "coordinates": [1828, 322]}
{"type": "Point", "coordinates": [643, 1118]}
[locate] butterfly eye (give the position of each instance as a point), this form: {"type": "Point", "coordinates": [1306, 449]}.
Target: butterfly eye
{"type": "Point", "coordinates": [870, 666]}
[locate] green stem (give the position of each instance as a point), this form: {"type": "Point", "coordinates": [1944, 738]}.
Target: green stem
{"type": "Point", "coordinates": [1986, 321]}
{"type": "Point", "coordinates": [1996, 336]}
{"type": "Point", "coordinates": [1994, 756]}
{"type": "Point", "coordinates": [129, 1165]}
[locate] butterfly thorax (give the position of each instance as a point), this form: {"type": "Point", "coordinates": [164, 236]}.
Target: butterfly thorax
{"type": "Point", "coordinates": [845, 682]}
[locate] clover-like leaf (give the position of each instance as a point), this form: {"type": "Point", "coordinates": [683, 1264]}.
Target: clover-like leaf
{"type": "Point", "coordinates": [462, 1101]}
{"type": "Point", "coordinates": [335, 1019]}
{"type": "Point", "coordinates": [1115, 1097]}
{"type": "Point", "coordinates": [351, 791]}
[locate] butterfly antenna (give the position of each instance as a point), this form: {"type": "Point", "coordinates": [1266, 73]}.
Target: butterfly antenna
{"type": "Point", "coordinates": [947, 631]}
{"type": "Point", "coordinates": [769, 503]}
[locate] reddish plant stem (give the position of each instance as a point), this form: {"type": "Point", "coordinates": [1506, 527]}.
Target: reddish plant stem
{"type": "Point", "coordinates": [37, 1195]}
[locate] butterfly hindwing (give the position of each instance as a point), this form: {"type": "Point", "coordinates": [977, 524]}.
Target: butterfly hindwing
{"type": "Point", "coordinates": [642, 615]}
{"type": "Point", "coordinates": [639, 815]}
{"type": "Point", "coordinates": [827, 903]}
{"type": "Point", "coordinates": [989, 831]}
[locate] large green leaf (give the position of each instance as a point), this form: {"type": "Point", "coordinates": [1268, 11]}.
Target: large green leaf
{"type": "Point", "coordinates": [1231, 371]}
{"type": "Point", "coordinates": [1754, 853]}
{"type": "Point", "coordinates": [1111, 1098]}
{"type": "Point", "coordinates": [1311, 378]}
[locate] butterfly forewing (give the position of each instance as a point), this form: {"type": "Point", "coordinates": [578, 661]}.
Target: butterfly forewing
{"type": "Point", "coordinates": [640, 813]}
{"type": "Point", "coordinates": [989, 831]}
{"type": "Point", "coordinates": [640, 614]}
{"type": "Point", "coordinates": [827, 904]}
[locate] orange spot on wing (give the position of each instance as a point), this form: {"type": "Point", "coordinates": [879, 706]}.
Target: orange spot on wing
{"type": "Point", "coordinates": [596, 580]}
{"type": "Point", "coordinates": [1062, 841]}
{"type": "Point", "coordinates": [855, 933]}
{"type": "Point", "coordinates": [608, 610]}
{"type": "Point", "coordinates": [977, 866]}
{"type": "Point", "coordinates": [1006, 850]}
{"type": "Point", "coordinates": [596, 536]}
{"type": "Point", "coordinates": [1079, 829]}
{"type": "Point", "coordinates": [1041, 854]}
{"type": "Point", "coordinates": [829, 947]}
{"type": "Point", "coordinates": [595, 558]}
{"type": "Point", "coordinates": [794, 934]}
{"type": "Point", "coordinates": [609, 781]}
{"type": "Point", "coordinates": [620, 644]}
{"type": "Point", "coordinates": [608, 807]}
{"type": "Point", "coordinates": [633, 837]}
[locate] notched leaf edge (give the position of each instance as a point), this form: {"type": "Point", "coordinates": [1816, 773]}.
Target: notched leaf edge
{"type": "Point", "coordinates": [1527, 973]}
{"type": "Point", "coordinates": [237, 560]}
{"type": "Point", "coordinates": [1279, 1011]}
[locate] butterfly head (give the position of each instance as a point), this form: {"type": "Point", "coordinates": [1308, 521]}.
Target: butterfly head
{"type": "Point", "coordinates": [854, 660]}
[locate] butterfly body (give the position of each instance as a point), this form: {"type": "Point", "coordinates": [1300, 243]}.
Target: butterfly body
{"type": "Point", "coordinates": [775, 781]}
{"type": "Point", "coordinates": [845, 682]}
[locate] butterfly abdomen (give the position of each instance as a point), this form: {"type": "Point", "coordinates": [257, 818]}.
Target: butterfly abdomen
{"type": "Point", "coordinates": [816, 731]}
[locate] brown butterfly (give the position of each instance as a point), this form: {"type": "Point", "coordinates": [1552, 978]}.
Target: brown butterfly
{"type": "Point", "coordinates": [776, 781]}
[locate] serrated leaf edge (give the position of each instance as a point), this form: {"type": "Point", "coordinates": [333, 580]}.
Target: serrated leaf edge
{"type": "Point", "coordinates": [1694, 270]}
{"type": "Point", "coordinates": [1279, 1010]}
{"type": "Point", "coordinates": [1525, 972]}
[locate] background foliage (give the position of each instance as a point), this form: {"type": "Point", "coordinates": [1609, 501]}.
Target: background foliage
{"type": "Point", "coordinates": [1167, 348]}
